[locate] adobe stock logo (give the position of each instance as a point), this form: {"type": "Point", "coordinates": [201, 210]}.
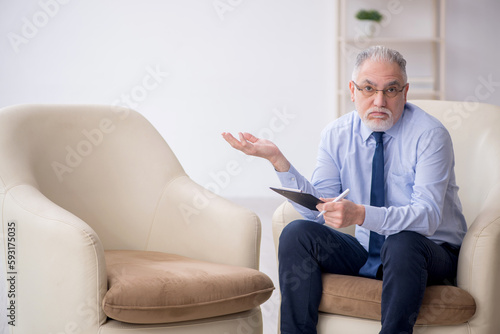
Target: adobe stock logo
{"type": "Point", "coordinates": [31, 27]}
{"type": "Point", "coordinates": [85, 147]}
{"type": "Point", "coordinates": [222, 7]}
{"type": "Point", "coordinates": [483, 90]}
{"type": "Point", "coordinates": [152, 80]}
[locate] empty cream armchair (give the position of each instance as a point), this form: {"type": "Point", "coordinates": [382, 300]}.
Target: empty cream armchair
{"type": "Point", "coordinates": [351, 305]}
{"type": "Point", "coordinates": [103, 232]}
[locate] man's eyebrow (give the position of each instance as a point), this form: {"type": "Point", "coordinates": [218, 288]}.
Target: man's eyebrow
{"type": "Point", "coordinates": [392, 83]}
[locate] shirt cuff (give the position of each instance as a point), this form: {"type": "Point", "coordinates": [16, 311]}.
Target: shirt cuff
{"type": "Point", "coordinates": [289, 179]}
{"type": "Point", "coordinates": [374, 218]}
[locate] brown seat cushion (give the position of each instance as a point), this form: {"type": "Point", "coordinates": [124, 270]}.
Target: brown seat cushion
{"type": "Point", "coordinates": [152, 287]}
{"type": "Point", "coordinates": [360, 297]}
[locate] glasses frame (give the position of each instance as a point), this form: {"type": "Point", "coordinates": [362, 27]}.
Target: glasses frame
{"type": "Point", "coordinates": [384, 91]}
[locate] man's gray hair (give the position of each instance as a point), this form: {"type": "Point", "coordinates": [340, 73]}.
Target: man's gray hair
{"type": "Point", "coordinates": [380, 53]}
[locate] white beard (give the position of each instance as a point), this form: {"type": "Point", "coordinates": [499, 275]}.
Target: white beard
{"type": "Point", "coordinates": [379, 124]}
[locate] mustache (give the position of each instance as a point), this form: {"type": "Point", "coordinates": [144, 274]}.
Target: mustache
{"type": "Point", "coordinates": [379, 110]}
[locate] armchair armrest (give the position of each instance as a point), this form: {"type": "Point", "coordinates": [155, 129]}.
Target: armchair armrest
{"type": "Point", "coordinates": [283, 215]}
{"type": "Point", "coordinates": [58, 266]}
{"type": "Point", "coordinates": [479, 265]}
{"type": "Point", "coordinates": [194, 222]}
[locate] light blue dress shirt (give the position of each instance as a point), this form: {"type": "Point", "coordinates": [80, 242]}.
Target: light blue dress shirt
{"type": "Point", "coordinates": [421, 193]}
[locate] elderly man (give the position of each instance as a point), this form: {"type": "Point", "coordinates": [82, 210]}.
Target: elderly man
{"type": "Point", "coordinates": [398, 163]}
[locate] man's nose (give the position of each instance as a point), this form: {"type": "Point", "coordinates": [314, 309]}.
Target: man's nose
{"type": "Point", "coordinates": [380, 99]}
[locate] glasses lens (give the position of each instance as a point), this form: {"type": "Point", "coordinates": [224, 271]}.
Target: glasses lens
{"type": "Point", "coordinates": [391, 92]}
{"type": "Point", "coordinates": [368, 91]}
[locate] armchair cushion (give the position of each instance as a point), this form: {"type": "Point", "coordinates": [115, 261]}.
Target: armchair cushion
{"type": "Point", "coordinates": [153, 287]}
{"type": "Point", "coordinates": [361, 297]}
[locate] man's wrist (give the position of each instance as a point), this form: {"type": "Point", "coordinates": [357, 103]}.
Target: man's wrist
{"type": "Point", "coordinates": [362, 214]}
{"type": "Point", "coordinates": [281, 165]}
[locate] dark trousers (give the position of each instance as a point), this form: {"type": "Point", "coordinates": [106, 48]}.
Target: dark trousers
{"type": "Point", "coordinates": [410, 263]}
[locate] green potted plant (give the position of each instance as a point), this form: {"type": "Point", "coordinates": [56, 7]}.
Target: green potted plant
{"type": "Point", "coordinates": [372, 15]}
{"type": "Point", "coordinates": [369, 18]}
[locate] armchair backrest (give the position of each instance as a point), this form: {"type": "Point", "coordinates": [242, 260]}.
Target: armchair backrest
{"type": "Point", "coordinates": [475, 131]}
{"type": "Point", "coordinates": [106, 165]}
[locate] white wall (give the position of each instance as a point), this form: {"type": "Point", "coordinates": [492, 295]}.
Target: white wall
{"type": "Point", "coordinates": [472, 49]}
{"type": "Point", "coordinates": [265, 67]}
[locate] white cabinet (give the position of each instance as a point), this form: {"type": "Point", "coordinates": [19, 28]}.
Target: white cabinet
{"type": "Point", "coordinates": [414, 28]}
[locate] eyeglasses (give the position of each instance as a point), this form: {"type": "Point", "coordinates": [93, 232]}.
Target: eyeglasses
{"type": "Point", "coordinates": [369, 90]}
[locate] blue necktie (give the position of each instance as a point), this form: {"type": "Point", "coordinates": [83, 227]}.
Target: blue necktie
{"type": "Point", "coordinates": [377, 198]}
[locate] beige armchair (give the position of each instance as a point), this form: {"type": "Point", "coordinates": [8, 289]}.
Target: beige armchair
{"type": "Point", "coordinates": [351, 305]}
{"type": "Point", "coordinates": [103, 231]}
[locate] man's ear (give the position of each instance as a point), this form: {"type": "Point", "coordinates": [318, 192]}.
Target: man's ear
{"type": "Point", "coordinates": [352, 88]}
{"type": "Point", "coordinates": [405, 92]}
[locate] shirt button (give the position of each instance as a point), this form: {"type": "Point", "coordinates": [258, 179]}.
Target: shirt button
{"type": "Point", "coordinates": [293, 179]}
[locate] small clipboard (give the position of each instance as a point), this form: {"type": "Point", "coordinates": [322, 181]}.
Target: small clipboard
{"type": "Point", "coordinates": [305, 199]}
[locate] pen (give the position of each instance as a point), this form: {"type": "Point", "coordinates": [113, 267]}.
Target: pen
{"type": "Point", "coordinates": [340, 197]}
